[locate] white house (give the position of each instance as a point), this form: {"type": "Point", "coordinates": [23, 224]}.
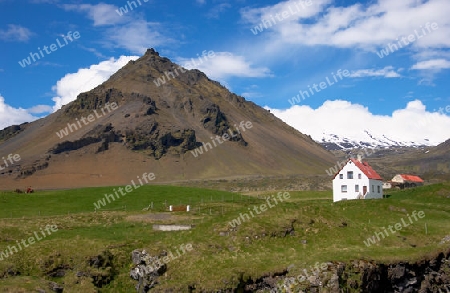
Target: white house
{"type": "Point", "coordinates": [357, 180]}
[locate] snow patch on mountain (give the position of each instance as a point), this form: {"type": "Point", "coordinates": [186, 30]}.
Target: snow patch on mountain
{"type": "Point", "coordinates": [366, 140]}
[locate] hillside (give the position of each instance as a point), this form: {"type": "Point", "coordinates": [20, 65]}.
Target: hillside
{"type": "Point", "coordinates": [129, 125]}
{"type": "Point", "coordinates": [432, 163]}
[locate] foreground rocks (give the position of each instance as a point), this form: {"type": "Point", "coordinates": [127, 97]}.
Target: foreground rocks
{"type": "Point", "coordinates": [147, 270]}
{"type": "Point", "coordinates": [427, 275]}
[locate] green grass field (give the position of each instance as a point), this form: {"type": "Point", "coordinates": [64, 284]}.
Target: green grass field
{"type": "Point", "coordinates": [321, 231]}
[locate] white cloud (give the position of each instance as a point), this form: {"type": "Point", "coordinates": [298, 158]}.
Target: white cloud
{"type": "Point", "coordinates": [39, 109]}
{"type": "Point", "coordinates": [251, 95]}
{"type": "Point", "coordinates": [217, 10]}
{"type": "Point", "coordinates": [425, 55]}
{"type": "Point", "coordinates": [388, 72]}
{"type": "Point", "coordinates": [44, 1]}
{"type": "Point", "coordinates": [11, 116]}
{"type": "Point", "coordinates": [411, 124]}
{"type": "Point", "coordinates": [136, 36]}
{"type": "Point", "coordinates": [364, 26]}
{"type": "Point", "coordinates": [15, 33]}
{"type": "Point", "coordinates": [434, 64]}
{"type": "Point", "coordinates": [85, 79]}
{"type": "Point", "coordinates": [305, 11]}
{"type": "Point", "coordinates": [128, 31]}
{"type": "Point", "coordinates": [223, 65]}
{"type": "Point", "coordinates": [67, 89]}
{"type": "Point", "coordinates": [94, 51]}
{"type": "Point", "coordinates": [101, 14]}
{"type": "Point", "coordinates": [252, 92]}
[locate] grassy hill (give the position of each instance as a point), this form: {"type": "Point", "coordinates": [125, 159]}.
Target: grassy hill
{"type": "Point", "coordinates": [94, 246]}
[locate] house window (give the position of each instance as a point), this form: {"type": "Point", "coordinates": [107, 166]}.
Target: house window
{"type": "Point", "coordinates": [350, 175]}
{"type": "Point", "coordinates": [356, 188]}
{"type": "Point", "coordinates": [343, 188]}
{"type": "Point", "coordinates": [373, 188]}
{"type": "Point", "coordinates": [359, 176]}
{"type": "Point", "coordinates": [341, 176]}
{"type": "Point", "coordinates": [379, 189]}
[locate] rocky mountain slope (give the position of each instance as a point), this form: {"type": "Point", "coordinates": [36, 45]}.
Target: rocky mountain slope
{"type": "Point", "coordinates": [189, 127]}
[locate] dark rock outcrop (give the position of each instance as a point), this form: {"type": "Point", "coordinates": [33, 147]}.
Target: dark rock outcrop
{"type": "Point", "coordinates": [147, 270]}
{"type": "Point", "coordinates": [148, 137]}
{"type": "Point", "coordinates": [68, 146]}
{"type": "Point", "coordinates": [100, 133]}
{"type": "Point", "coordinates": [426, 275]}
{"type": "Point", "coordinates": [216, 121]}
{"type": "Point", "coordinates": [91, 101]}
{"type": "Point", "coordinates": [102, 269]}
{"type": "Point", "coordinates": [28, 170]}
{"type": "Point", "coordinates": [12, 131]}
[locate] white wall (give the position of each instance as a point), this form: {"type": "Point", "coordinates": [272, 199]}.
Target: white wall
{"type": "Point", "coordinates": [375, 194]}
{"type": "Point", "coordinates": [351, 193]}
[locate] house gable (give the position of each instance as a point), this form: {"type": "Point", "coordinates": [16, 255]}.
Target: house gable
{"type": "Point", "coordinates": [357, 180]}
{"type": "Point", "coordinates": [365, 168]}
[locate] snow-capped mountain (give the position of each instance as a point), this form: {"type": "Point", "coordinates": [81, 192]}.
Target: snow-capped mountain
{"type": "Point", "coordinates": [342, 124]}
{"type": "Point", "coordinates": [367, 140]}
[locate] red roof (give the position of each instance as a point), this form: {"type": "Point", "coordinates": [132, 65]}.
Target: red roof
{"type": "Point", "coordinates": [412, 178]}
{"type": "Point", "coordinates": [366, 169]}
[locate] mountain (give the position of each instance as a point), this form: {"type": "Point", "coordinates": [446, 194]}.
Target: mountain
{"type": "Point", "coordinates": [432, 163]}
{"type": "Point", "coordinates": [443, 148]}
{"type": "Point", "coordinates": [155, 116]}
{"type": "Point", "coordinates": [367, 139]}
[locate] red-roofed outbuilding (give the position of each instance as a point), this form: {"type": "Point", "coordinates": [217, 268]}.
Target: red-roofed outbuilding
{"type": "Point", "coordinates": [406, 180]}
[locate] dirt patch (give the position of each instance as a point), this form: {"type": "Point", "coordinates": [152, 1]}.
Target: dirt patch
{"type": "Point", "coordinates": [165, 218]}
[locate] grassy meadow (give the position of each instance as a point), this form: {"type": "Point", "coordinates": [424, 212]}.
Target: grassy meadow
{"type": "Point", "coordinates": [305, 229]}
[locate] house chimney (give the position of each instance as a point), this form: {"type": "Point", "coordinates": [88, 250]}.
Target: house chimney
{"type": "Point", "coordinates": [359, 158]}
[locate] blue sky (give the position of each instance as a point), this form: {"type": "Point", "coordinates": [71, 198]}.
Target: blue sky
{"type": "Point", "coordinates": [299, 43]}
